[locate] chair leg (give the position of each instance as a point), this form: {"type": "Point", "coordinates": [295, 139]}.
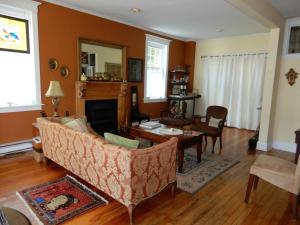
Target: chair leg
{"type": "Point", "coordinates": [130, 212]}
{"type": "Point", "coordinates": [214, 139]}
{"type": "Point", "coordinates": [249, 187]}
{"type": "Point", "coordinates": [255, 182]}
{"type": "Point", "coordinates": [294, 201]}
{"type": "Point", "coordinates": [220, 139]}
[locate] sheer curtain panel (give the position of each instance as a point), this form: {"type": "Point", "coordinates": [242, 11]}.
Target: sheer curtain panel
{"type": "Point", "coordinates": [236, 82]}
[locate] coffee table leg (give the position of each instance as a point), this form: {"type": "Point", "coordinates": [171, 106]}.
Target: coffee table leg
{"type": "Point", "coordinates": [199, 151]}
{"type": "Point", "coordinates": [180, 159]}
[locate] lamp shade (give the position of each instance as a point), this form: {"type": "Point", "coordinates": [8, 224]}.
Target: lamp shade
{"type": "Point", "coordinates": [54, 89]}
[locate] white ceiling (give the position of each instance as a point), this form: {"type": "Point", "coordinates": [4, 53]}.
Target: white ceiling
{"type": "Point", "coordinates": [287, 8]}
{"type": "Point", "coordinates": [186, 19]}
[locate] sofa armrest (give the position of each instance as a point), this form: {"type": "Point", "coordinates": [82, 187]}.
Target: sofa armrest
{"type": "Point", "coordinates": [153, 169]}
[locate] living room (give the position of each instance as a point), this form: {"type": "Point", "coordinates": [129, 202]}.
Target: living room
{"type": "Point", "coordinates": [256, 34]}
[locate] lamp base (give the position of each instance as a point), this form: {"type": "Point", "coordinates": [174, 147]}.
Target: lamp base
{"type": "Point", "coordinates": [55, 103]}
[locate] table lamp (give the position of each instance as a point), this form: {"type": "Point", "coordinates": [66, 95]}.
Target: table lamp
{"type": "Point", "coordinates": [55, 92]}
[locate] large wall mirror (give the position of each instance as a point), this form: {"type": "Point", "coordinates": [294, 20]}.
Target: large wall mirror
{"type": "Point", "coordinates": [100, 61]}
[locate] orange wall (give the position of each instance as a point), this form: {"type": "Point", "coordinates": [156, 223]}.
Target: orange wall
{"type": "Point", "coordinates": [59, 29]}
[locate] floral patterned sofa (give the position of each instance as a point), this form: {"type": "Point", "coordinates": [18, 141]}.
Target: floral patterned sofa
{"type": "Point", "coordinates": [128, 176]}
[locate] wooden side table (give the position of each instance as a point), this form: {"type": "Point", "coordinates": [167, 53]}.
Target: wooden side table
{"type": "Point", "coordinates": [37, 144]}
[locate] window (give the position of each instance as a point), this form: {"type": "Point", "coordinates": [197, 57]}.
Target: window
{"type": "Point", "coordinates": [156, 69]}
{"type": "Point", "coordinates": [19, 76]}
{"type": "Point", "coordinates": [291, 46]}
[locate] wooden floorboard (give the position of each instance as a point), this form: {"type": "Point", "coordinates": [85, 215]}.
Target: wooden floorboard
{"type": "Point", "coordinates": [221, 202]}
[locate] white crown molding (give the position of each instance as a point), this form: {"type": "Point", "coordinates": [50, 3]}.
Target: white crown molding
{"type": "Point", "coordinates": [56, 2]}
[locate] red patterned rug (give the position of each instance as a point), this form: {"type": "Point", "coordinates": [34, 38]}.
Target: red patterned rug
{"type": "Point", "coordinates": [59, 200]}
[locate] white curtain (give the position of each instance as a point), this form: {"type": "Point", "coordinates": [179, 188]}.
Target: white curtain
{"type": "Point", "coordinates": [235, 82]}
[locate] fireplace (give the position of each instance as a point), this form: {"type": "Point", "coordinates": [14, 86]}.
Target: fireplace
{"type": "Point", "coordinates": [102, 115]}
{"type": "Point", "coordinates": [105, 104]}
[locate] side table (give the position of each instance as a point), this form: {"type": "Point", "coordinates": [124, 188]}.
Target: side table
{"type": "Point", "coordinates": [37, 144]}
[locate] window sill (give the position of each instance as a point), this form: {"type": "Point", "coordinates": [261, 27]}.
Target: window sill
{"type": "Point", "coordinates": [155, 100]}
{"type": "Point", "coordinates": [20, 108]}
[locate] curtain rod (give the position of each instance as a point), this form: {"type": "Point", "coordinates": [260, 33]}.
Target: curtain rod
{"type": "Point", "coordinates": [263, 53]}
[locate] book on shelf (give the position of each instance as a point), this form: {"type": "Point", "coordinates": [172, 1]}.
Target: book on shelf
{"type": "Point", "coordinates": [150, 125]}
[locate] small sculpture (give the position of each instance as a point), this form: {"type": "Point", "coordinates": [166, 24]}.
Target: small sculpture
{"type": "Point", "coordinates": [291, 76]}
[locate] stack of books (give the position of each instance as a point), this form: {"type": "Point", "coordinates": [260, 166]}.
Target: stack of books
{"type": "Point", "coordinates": [150, 125]}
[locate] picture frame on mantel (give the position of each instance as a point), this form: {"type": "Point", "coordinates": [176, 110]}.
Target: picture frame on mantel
{"type": "Point", "coordinates": [135, 70]}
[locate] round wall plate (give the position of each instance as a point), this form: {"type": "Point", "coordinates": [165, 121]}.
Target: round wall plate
{"type": "Point", "coordinates": [53, 64]}
{"type": "Point", "coordinates": [64, 71]}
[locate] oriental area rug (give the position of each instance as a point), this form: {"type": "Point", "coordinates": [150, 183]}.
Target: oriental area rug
{"type": "Point", "coordinates": [56, 201]}
{"type": "Point", "coordinates": [196, 175]}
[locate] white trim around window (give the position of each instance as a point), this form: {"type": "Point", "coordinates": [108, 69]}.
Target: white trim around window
{"type": "Point", "coordinates": [163, 44]}
{"type": "Point", "coordinates": [287, 32]}
{"type": "Point", "coordinates": [30, 8]}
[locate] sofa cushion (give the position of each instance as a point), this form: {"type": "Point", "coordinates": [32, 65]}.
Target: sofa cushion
{"type": "Point", "coordinates": [78, 124]}
{"type": "Point", "coordinates": [121, 141]}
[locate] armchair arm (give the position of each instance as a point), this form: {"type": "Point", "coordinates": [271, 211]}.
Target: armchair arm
{"type": "Point", "coordinates": [221, 124]}
{"type": "Point", "coordinates": [198, 119]}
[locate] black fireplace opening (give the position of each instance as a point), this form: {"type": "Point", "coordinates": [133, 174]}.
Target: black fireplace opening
{"type": "Point", "coordinates": [102, 115]}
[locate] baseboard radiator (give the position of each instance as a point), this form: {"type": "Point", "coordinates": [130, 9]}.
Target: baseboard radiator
{"type": "Point", "coordinates": [16, 147]}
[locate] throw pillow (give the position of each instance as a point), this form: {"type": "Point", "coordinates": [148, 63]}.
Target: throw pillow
{"type": "Point", "coordinates": [121, 141]}
{"type": "Point", "coordinates": [214, 122]}
{"type": "Point", "coordinates": [78, 124]}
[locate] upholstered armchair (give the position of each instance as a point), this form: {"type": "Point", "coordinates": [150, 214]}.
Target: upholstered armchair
{"type": "Point", "coordinates": [279, 172]}
{"type": "Point", "coordinates": [213, 125]}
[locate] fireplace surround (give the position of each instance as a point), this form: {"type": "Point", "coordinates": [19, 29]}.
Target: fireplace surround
{"type": "Point", "coordinates": [108, 92]}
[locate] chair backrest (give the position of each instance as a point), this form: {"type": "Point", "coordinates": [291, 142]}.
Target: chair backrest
{"type": "Point", "coordinates": [218, 112]}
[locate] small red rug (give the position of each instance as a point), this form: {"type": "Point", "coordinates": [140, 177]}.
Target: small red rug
{"type": "Point", "coordinates": [59, 200]}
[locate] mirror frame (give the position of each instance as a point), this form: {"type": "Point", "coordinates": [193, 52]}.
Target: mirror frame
{"type": "Point", "coordinates": [104, 44]}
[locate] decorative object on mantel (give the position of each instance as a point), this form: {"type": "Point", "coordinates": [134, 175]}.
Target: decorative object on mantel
{"type": "Point", "coordinates": [64, 71]}
{"type": "Point", "coordinates": [55, 92]}
{"type": "Point", "coordinates": [135, 70]}
{"type": "Point", "coordinates": [53, 64]}
{"type": "Point", "coordinates": [291, 76]}
{"type": "Point", "coordinates": [82, 90]}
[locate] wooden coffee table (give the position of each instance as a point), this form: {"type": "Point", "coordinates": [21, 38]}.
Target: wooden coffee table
{"type": "Point", "coordinates": [184, 141]}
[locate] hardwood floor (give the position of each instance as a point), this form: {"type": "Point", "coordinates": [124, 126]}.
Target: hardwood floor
{"type": "Point", "coordinates": [221, 202]}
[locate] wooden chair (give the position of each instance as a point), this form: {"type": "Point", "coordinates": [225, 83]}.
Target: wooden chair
{"type": "Point", "coordinates": [136, 115]}
{"type": "Point", "coordinates": [213, 125]}
{"type": "Point", "coordinates": [279, 172]}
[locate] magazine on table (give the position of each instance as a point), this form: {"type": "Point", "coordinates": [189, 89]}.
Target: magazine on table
{"type": "Point", "coordinates": [150, 125]}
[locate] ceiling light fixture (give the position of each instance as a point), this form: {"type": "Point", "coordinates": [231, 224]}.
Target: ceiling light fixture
{"type": "Point", "coordinates": [220, 30]}
{"type": "Point", "coordinates": [136, 10]}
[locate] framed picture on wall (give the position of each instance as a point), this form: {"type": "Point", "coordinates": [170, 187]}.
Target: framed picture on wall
{"type": "Point", "coordinates": [135, 70]}
{"type": "Point", "coordinates": [14, 34]}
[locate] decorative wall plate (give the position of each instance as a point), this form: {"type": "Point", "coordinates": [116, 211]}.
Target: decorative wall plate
{"type": "Point", "coordinates": [53, 64]}
{"type": "Point", "coordinates": [64, 71]}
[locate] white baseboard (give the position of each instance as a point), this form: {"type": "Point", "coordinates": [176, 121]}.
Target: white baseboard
{"type": "Point", "coordinates": [19, 146]}
{"type": "Point", "coordinates": [284, 146]}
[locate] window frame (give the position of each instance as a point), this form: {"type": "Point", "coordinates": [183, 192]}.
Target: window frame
{"type": "Point", "coordinates": [159, 41]}
{"type": "Point", "coordinates": [32, 8]}
{"type": "Point", "coordinates": [293, 22]}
